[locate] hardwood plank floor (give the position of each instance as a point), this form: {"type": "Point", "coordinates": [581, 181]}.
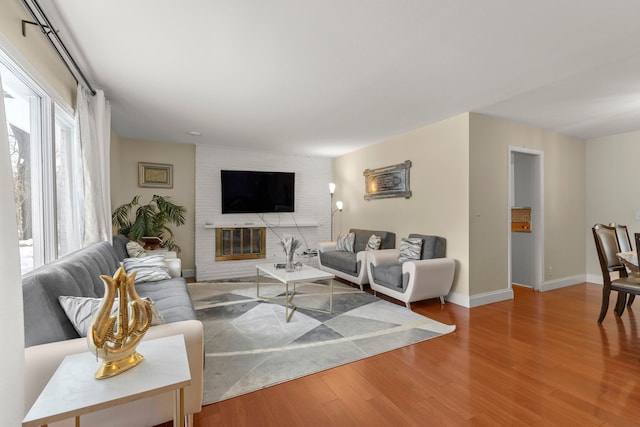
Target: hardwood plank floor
{"type": "Point", "coordinates": [540, 359]}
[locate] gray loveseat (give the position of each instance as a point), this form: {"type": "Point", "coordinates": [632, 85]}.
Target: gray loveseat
{"type": "Point", "coordinates": [50, 336]}
{"type": "Point", "coordinates": [351, 266]}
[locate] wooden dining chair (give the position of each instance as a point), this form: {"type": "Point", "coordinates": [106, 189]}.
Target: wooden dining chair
{"type": "Point", "coordinates": [624, 243]}
{"type": "Point", "coordinates": [607, 247]}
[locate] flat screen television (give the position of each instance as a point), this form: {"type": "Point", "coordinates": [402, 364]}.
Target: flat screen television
{"type": "Point", "coordinates": [257, 192]}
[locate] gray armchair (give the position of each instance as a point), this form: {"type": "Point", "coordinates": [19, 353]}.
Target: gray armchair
{"type": "Point", "coordinates": [430, 276]}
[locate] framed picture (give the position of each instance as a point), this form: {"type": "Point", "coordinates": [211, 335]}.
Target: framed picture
{"type": "Point", "coordinates": [390, 181]}
{"type": "Point", "coordinates": [155, 175]}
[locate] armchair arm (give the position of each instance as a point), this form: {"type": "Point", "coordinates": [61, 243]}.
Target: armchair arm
{"type": "Point", "coordinates": [326, 246]}
{"type": "Point", "coordinates": [435, 277]}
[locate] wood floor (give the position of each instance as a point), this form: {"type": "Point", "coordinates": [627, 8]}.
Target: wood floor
{"type": "Point", "coordinates": [540, 359]}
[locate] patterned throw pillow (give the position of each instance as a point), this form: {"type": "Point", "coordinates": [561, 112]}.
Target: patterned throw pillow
{"type": "Point", "coordinates": [80, 311]}
{"type": "Point", "coordinates": [374, 243]}
{"type": "Point", "coordinates": [410, 249]}
{"type": "Point", "coordinates": [149, 269]}
{"type": "Point", "coordinates": [345, 242]}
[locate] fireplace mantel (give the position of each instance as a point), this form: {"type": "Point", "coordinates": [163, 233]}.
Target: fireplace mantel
{"type": "Point", "coordinates": [282, 224]}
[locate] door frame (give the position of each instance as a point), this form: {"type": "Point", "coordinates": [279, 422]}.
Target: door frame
{"type": "Point", "coordinates": [537, 222]}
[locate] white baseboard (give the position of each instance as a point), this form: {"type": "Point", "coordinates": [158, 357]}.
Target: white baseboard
{"type": "Point", "coordinates": [480, 299]}
{"type": "Point", "coordinates": [596, 278]}
{"type": "Point", "coordinates": [564, 282]}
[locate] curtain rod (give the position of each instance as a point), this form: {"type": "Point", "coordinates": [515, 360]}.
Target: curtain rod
{"type": "Point", "coordinates": [42, 21]}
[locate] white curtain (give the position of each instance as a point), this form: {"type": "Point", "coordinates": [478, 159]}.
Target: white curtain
{"type": "Point", "coordinates": [94, 118]}
{"type": "Point", "coordinates": [11, 314]}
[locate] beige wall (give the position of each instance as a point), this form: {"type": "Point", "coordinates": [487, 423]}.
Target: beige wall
{"type": "Point", "coordinates": [439, 181]}
{"type": "Point", "coordinates": [44, 64]}
{"type": "Point", "coordinates": [124, 183]}
{"type": "Point", "coordinates": [612, 189]}
{"type": "Point", "coordinates": [564, 200]}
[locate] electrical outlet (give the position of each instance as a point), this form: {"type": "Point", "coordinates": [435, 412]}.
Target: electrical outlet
{"type": "Point", "coordinates": [637, 215]}
{"type": "Point", "coordinates": [550, 271]}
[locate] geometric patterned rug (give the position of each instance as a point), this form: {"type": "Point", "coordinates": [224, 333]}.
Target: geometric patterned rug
{"type": "Point", "coordinates": [250, 346]}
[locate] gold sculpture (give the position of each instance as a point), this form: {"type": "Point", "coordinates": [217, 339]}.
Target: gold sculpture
{"type": "Point", "coordinates": [114, 338]}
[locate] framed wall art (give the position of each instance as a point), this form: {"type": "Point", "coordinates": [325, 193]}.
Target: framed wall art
{"type": "Point", "coordinates": [390, 181]}
{"type": "Point", "coordinates": [155, 175]}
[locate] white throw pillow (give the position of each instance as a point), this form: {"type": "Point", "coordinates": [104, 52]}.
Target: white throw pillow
{"type": "Point", "coordinates": [373, 244]}
{"type": "Point", "coordinates": [80, 311]}
{"type": "Point", "coordinates": [149, 269]}
{"type": "Point", "coordinates": [345, 242]}
{"type": "Point", "coordinates": [135, 250]}
{"type": "Point", "coordinates": [410, 249]}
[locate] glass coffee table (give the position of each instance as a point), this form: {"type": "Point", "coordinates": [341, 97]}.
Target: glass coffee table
{"type": "Point", "coordinates": [304, 273]}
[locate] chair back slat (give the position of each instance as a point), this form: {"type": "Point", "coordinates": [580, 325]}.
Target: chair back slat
{"type": "Point", "coordinates": [622, 233]}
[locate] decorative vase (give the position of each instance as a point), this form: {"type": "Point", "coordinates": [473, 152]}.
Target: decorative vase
{"type": "Point", "coordinates": [114, 338]}
{"type": "Point", "coordinates": [289, 245]}
{"type": "Point", "coordinates": [289, 264]}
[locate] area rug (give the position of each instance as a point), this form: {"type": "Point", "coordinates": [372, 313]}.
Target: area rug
{"type": "Point", "coordinates": [250, 346]}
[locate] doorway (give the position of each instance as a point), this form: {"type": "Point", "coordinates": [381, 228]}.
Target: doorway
{"type": "Point", "coordinates": [526, 218]}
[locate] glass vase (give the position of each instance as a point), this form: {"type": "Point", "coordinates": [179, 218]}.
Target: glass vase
{"type": "Point", "coordinates": [289, 266]}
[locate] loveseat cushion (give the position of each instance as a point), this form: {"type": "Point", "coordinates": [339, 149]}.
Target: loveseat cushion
{"type": "Point", "coordinates": [432, 246]}
{"type": "Point", "coordinates": [342, 261]}
{"type": "Point", "coordinates": [389, 276]}
{"type": "Point", "coordinates": [387, 239]}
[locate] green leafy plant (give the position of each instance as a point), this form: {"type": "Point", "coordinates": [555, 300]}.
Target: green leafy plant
{"type": "Point", "coordinates": [150, 220]}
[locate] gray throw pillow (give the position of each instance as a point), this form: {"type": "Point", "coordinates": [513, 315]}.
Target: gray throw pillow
{"type": "Point", "coordinates": [410, 249]}
{"type": "Point", "coordinates": [80, 311]}
{"type": "Point", "coordinates": [149, 269]}
{"type": "Point", "coordinates": [373, 244]}
{"type": "Point", "coordinates": [345, 242]}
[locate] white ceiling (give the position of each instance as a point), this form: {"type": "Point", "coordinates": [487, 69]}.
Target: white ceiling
{"type": "Point", "coordinates": [327, 77]}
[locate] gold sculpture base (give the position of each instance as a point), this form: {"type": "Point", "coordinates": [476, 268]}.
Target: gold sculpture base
{"type": "Point", "coordinates": [114, 367]}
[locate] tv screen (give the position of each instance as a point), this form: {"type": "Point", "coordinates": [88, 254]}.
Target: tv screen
{"type": "Point", "coordinates": [257, 192]}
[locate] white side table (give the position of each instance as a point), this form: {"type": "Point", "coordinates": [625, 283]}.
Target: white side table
{"type": "Point", "coordinates": [72, 391]}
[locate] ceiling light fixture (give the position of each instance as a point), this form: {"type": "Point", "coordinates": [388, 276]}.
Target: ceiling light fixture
{"type": "Point", "coordinates": [194, 133]}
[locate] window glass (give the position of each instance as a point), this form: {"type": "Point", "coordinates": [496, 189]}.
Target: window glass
{"type": "Point", "coordinates": [21, 106]}
{"type": "Point", "coordinates": [68, 170]}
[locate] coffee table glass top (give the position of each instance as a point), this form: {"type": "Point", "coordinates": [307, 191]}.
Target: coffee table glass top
{"type": "Point", "coordinates": [305, 273]}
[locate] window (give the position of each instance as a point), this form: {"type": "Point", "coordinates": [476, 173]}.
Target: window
{"type": "Point", "coordinates": [46, 167]}
{"type": "Point", "coordinates": [69, 202]}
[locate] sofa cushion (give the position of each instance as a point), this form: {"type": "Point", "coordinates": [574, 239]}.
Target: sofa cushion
{"type": "Point", "coordinates": [387, 239]}
{"type": "Point", "coordinates": [151, 268]}
{"type": "Point", "coordinates": [77, 274]}
{"type": "Point", "coordinates": [410, 249]}
{"type": "Point", "coordinates": [342, 261]}
{"type": "Point", "coordinates": [120, 246]}
{"type": "Point", "coordinates": [391, 277]}
{"type": "Point", "coordinates": [171, 297]}
{"type": "Point", "coordinates": [345, 242]}
{"type": "Point", "coordinates": [432, 246]}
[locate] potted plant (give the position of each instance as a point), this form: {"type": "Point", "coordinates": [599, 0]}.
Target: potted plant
{"type": "Point", "coordinates": [150, 220]}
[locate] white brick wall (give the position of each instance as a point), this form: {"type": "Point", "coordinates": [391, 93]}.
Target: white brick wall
{"type": "Point", "coordinates": [312, 205]}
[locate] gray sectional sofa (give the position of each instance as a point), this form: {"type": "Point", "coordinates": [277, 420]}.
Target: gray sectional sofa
{"type": "Point", "coordinates": [50, 336]}
{"type": "Point", "coordinates": [351, 266]}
